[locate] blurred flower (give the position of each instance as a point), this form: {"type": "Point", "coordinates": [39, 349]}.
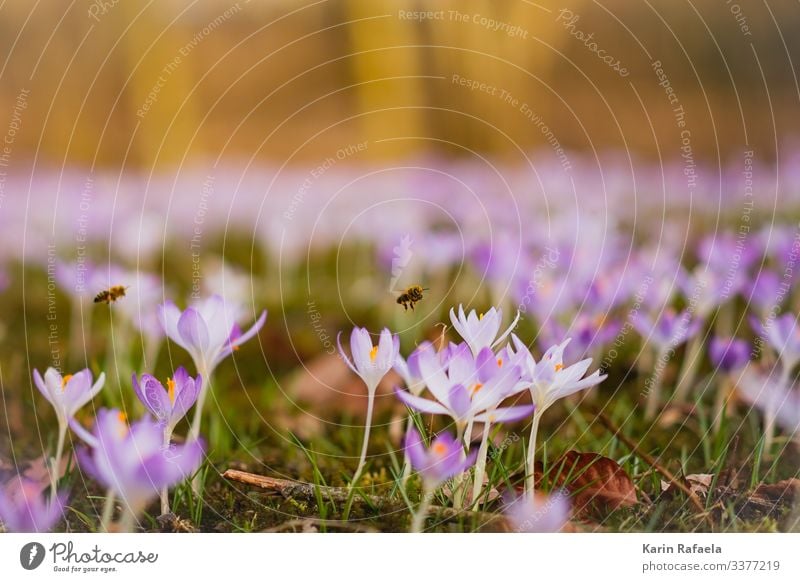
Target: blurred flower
{"type": "Point", "coordinates": [538, 513]}
{"type": "Point", "coordinates": [670, 331]}
{"type": "Point", "coordinates": [480, 331]}
{"type": "Point", "coordinates": [23, 508]}
{"type": "Point", "coordinates": [764, 291]}
{"type": "Point", "coordinates": [170, 404]}
{"type": "Point", "coordinates": [443, 460]}
{"type": "Point", "coordinates": [371, 364]}
{"type": "Point", "coordinates": [783, 334]}
{"type": "Point", "coordinates": [132, 461]}
{"type": "Point", "coordinates": [207, 330]}
{"type": "Point", "coordinates": [775, 398]}
{"type": "Point", "coordinates": [729, 354]}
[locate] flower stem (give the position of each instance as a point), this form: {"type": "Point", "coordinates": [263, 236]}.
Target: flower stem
{"type": "Point", "coordinates": [164, 490]}
{"type": "Point", "coordinates": [363, 459]}
{"type": "Point", "coordinates": [194, 431]}
{"type": "Point", "coordinates": [406, 461]}
{"type": "Point", "coordinates": [654, 394]}
{"type": "Point", "coordinates": [530, 478]}
{"type": "Point", "coordinates": [418, 522]}
{"type": "Point", "coordinates": [108, 510]}
{"type": "Point", "coordinates": [55, 462]}
{"type": "Point", "coordinates": [128, 520]}
{"type": "Point", "coordinates": [480, 465]}
{"type": "Point", "coordinates": [691, 362]}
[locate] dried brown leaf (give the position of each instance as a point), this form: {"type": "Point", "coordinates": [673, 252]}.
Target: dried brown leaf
{"type": "Point", "coordinates": [597, 484]}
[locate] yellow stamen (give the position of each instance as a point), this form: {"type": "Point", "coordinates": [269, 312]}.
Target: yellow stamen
{"type": "Point", "coordinates": [480, 316]}
{"type": "Point", "coordinates": [171, 390]}
{"type": "Point", "coordinates": [122, 417]}
{"type": "Point", "coordinates": [373, 353]}
{"type": "Point", "coordinates": [64, 381]}
{"type": "Point", "coordinates": [123, 424]}
{"type": "Point", "coordinates": [559, 367]}
{"type": "Point", "coordinates": [476, 388]}
{"type": "Point", "coordinates": [500, 362]}
{"type": "Point", "coordinates": [439, 449]}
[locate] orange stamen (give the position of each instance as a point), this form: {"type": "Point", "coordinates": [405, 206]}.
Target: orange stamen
{"type": "Point", "coordinates": [559, 367]}
{"type": "Point", "coordinates": [171, 390]}
{"type": "Point", "coordinates": [64, 381]}
{"type": "Point", "coordinates": [373, 353]}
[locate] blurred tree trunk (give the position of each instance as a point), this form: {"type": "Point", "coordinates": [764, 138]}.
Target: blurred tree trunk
{"type": "Point", "coordinates": [375, 25]}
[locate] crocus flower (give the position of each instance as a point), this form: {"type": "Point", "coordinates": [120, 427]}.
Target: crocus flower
{"type": "Point", "coordinates": [729, 354]}
{"type": "Point", "coordinates": [132, 462]}
{"type": "Point", "coordinates": [538, 513]}
{"type": "Point", "coordinates": [208, 331]}
{"type": "Point", "coordinates": [444, 460]}
{"type": "Point", "coordinates": [548, 380]}
{"type": "Point", "coordinates": [783, 335]}
{"type": "Point", "coordinates": [480, 331]}
{"type": "Point", "coordinates": [775, 398]}
{"type": "Point", "coordinates": [670, 331]}
{"type": "Point", "coordinates": [67, 394]}
{"type": "Point", "coordinates": [466, 388]}
{"type": "Point", "coordinates": [23, 509]}
{"type": "Point", "coordinates": [371, 363]}
{"type": "Point", "coordinates": [168, 405]}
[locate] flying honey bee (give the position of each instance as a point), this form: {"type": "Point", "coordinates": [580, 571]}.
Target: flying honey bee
{"type": "Point", "coordinates": [110, 295]}
{"type": "Point", "coordinates": [410, 296]}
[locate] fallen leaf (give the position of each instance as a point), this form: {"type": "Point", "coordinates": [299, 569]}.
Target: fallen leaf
{"type": "Point", "coordinates": [785, 491]}
{"type": "Point", "coordinates": [699, 484]}
{"type": "Point", "coordinates": [596, 483]}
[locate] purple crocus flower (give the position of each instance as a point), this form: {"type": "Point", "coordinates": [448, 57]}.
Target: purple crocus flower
{"type": "Point", "coordinates": [670, 331]}
{"type": "Point", "coordinates": [23, 509]}
{"type": "Point", "coordinates": [783, 334]}
{"type": "Point", "coordinates": [777, 400]}
{"type": "Point", "coordinates": [442, 461]}
{"type": "Point", "coordinates": [548, 380]}
{"type": "Point", "coordinates": [207, 330]}
{"type": "Point", "coordinates": [480, 331]}
{"type": "Point", "coordinates": [764, 291]}
{"type": "Point", "coordinates": [132, 461]}
{"type": "Point", "coordinates": [67, 394]}
{"type": "Point", "coordinates": [729, 354]}
{"type": "Point", "coordinates": [466, 388]}
{"type": "Point", "coordinates": [371, 364]}
{"type": "Point", "coordinates": [169, 404]}
{"type": "Point", "coordinates": [538, 513]}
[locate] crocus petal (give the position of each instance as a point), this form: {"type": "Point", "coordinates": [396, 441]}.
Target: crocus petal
{"type": "Point", "coordinates": [421, 404]}
{"type": "Point", "coordinates": [254, 329]}
{"type": "Point", "coordinates": [511, 414]}
{"type": "Point", "coordinates": [344, 355]}
{"type": "Point", "coordinates": [42, 386]}
{"type": "Point", "coordinates": [193, 330]}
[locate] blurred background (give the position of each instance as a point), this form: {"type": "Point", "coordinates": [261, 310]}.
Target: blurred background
{"type": "Point", "coordinates": [141, 84]}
